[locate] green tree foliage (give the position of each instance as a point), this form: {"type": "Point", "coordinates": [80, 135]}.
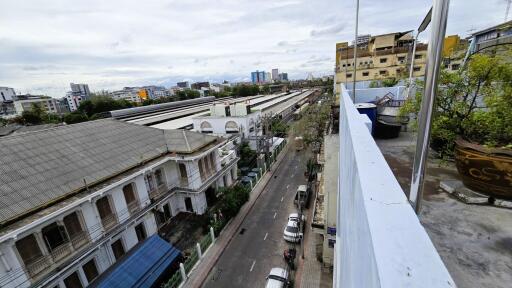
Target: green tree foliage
{"type": "Point", "coordinates": [102, 103]}
{"type": "Point", "coordinates": [279, 128]}
{"type": "Point", "coordinates": [247, 156]}
{"type": "Point", "coordinates": [389, 82]}
{"type": "Point", "coordinates": [232, 199]}
{"type": "Point", "coordinates": [75, 117]}
{"type": "Point", "coordinates": [187, 94]}
{"type": "Point", "coordinates": [487, 79]}
{"type": "Point", "coordinates": [313, 122]}
{"type": "Point", "coordinates": [35, 115]}
{"type": "Point", "coordinates": [245, 90]}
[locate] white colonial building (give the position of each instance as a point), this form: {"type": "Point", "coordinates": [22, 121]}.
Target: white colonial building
{"type": "Point", "coordinates": [77, 201]}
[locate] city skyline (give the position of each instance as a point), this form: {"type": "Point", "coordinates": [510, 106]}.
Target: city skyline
{"type": "Point", "coordinates": [191, 40]}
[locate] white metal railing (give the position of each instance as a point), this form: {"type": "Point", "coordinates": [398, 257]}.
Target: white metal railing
{"type": "Point", "coordinates": [380, 241]}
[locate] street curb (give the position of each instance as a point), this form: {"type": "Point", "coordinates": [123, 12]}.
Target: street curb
{"type": "Point", "coordinates": [237, 221]}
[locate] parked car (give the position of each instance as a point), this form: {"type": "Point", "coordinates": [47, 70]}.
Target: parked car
{"type": "Point", "coordinates": [277, 278]}
{"type": "Point", "coordinates": [295, 217]}
{"type": "Point", "coordinates": [292, 232]}
{"type": "Point", "coordinates": [302, 195]}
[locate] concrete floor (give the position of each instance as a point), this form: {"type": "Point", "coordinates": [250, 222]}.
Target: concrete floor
{"type": "Point", "coordinates": [474, 241]}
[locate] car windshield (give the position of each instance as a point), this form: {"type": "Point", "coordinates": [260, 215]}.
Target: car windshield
{"type": "Point", "coordinates": [278, 278]}
{"type": "Point", "coordinates": [292, 229]}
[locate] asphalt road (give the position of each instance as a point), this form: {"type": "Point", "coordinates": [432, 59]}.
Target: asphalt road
{"type": "Point", "coordinates": [259, 244]}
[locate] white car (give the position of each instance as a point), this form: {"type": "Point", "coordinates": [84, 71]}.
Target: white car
{"type": "Point", "coordinates": [295, 217]}
{"type": "Point", "coordinates": [277, 278]}
{"type": "Point", "coordinates": [291, 232]}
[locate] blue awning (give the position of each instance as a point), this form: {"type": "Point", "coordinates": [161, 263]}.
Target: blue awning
{"type": "Point", "coordinates": [141, 267]}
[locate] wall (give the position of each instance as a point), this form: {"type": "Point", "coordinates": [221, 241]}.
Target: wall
{"type": "Point", "coordinates": [369, 94]}
{"type": "Point", "coordinates": [380, 241]}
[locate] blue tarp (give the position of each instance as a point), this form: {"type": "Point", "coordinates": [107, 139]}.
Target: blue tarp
{"type": "Point", "coordinates": [142, 267]}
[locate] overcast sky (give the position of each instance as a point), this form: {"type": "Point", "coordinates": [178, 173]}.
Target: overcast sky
{"type": "Point", "coordinates": [109, 44]}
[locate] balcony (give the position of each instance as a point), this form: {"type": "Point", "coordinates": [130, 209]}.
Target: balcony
{"type": "Point", "coordinates": [38, 265]}
{"type": "Point", "coordinates": [134, 206]}
{"type": "Point", "coordinates": [80, 239]}
{"type": "Point", "coordinates": [109, 221]}
{"type": "Point", "coordinates": [62, 251]}
{"type": "Point", "coordinates": [379, 242]}
{"type": "Point", "coordinates": [158, 191]}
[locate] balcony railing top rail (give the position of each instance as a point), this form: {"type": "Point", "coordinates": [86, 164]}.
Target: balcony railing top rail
{"type": "Point", "coordinates": [380, 241]}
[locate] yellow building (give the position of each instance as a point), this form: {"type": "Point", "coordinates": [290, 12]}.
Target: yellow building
{"type": "Point", "coordinates": [143, 94]}
{"type": "Point", "coordinates": [383, 56]}
{"type": "Point", "coordinates": [454, 51]}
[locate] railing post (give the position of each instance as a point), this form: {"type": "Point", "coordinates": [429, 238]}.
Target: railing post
{"type": "Point", "coordinates": [182, 271]}
{"type": "Point", "coordinates": [199, 252]}
{"type": "Point", "coordinates": [212, 234]}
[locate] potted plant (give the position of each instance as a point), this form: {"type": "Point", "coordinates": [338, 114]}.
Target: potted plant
{"type": "Point", "coordinates": [473, 122]}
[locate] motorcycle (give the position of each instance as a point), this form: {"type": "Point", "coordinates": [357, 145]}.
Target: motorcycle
{"type": "Point", "coordinates": [289, 257]}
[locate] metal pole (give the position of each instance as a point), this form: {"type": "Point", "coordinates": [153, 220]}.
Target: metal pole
{"type": "Point", "coordinates": [435, 47]}
{"type": "Point", "coordinates": [355, 54]}
{"type": "Point", "coordinates": [411, 70]}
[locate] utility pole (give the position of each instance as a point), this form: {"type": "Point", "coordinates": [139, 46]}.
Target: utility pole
{"type": "Point", "coordinates": [355, 53]}
{"type": "Point", "coordinates": [434, 61]}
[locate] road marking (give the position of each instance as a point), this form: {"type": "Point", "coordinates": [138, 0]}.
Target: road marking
{"type": "Point", "coordinates": [275, 215]}
{"type": "Point", "coordinates": [266, 234]}
{"type": "Point", "coordinates": [282, 199]}
{"type": "Point", "coordinates": [287, 186]}
{"type": "Point", "coordinates": [252, 266]}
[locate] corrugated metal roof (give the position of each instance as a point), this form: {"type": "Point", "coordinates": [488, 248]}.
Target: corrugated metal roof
{"type": "Point", "coordinates": [38, 168]}
{"type": "Point", "coordinates": [142, 267]}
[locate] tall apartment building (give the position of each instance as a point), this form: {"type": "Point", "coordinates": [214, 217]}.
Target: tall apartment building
{"type": "Point", "coordinates": [7, 96]}
{"type": "Point", "coordinates": [283, 76]}
{"type": "Point", "coordinates": [258, 77]}
{"type": "Point", "coordinates": [79, 201]}
{"type": "Point", "coordinates": [184, 84]}
{"type": "Point", "coordinates": [384, 56]}
{"type": "Point", "coordinates": [275, 74]}
{"type": "Point", "coordinates": [78, 93]}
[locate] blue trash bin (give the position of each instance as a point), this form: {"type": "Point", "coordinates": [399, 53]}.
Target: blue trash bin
{"type": "Point", "coordinates": [370, 110]}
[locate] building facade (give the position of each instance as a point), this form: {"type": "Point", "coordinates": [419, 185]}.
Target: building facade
{"type": "Point", "coordinates": [78, 216]}
{"type": "Point", "coordinates": [7, 96]}
{"type": "Point", "coordinates": [275, 74]}
{"type": "Point", "coordinates": [384, 56]}
{"type": "Point", "coordinates": [258, 77]}
{"type": "Point", "coordinates": [128, 93]}
{"type": "Point", "coordinates": [48, 104]}
{"type": "Point", "coordinates": [184, 84]}
{"type": "Point", "coordinates": [491, 37]}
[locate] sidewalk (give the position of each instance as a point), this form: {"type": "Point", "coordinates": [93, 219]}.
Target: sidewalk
{"type": "Point", "coordinates": [310, 273]}
{"type": "Point", "coordinates": [201, 271]}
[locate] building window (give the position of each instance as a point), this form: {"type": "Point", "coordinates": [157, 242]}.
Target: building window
{"type": "Point", "coordinates": [349, 75]}
{"type": "Point", "coordinates": [108, 218]}
{"type": "Point", "coordinates": [28, 249]}
{"type": "Point", "coordinates": [383, 72]}
{"type": "Point", "coordinates": [159, 177]}
{"type": "Point", "coordinates": [348, 64]}
{"type": "Point", "coordinates": [167, 211]}
{"type": "Point", "coordinates": [130, 198]}
{"type": "Point", "coordinates": [90, 270]}
{"type": "Point", "coordinates": [343, 65]}
{"type": "Point", "coordinates": [455, 66]}
{"type": "Point", "coordinates": [183, 173]}
{"type": "Point", "coordinates": [365, 74]}
{"type": "Point", "coordinates": [73, 281]}
{"type": "Point", "coordinates": [55, 235]}
{"type": "Point", "coordinates": [140, 230]}
{"type": "Point", "coordinates": [118, 249]}
{"type": "Point", "coordinates": [417, 56]}
{"type": "Point", "coordinates": [383, 60]}
{"type": "Point", "coordinates": [417, 68]}
{"type": "Point", "coordinates": [398, 71]}
{"type": "Point", "coordinates": [401, 58]}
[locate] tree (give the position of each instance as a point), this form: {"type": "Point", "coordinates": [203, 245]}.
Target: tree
{"type": "Point", "coordinates": [101, 104]}
{"type": "Point", "coordinates": [75, 117]}
{"type": "Point", "coordinates": [35, 115]}
{"type": "Point", "coordinates": [232, 199]}
{"type": "Point", "coordinates": [247, 155]}
{"type": "Point", "coordinates": [487, 80]}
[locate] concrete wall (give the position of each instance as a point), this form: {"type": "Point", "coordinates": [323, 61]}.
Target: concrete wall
{"type": "Point", "coordinates": [380, 241]}
{"type": "Point", "coordinates": [370, 94]}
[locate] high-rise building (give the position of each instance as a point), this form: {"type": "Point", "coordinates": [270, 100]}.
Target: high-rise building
{"type": "Point", "coordinates": [78, 93]}
{"type": "Point", "coordinates": [283, 76]}
{"type": "Point", "coordinates": [258, 77]}
{"type": "Point", "coordinates": [199, 85]}
{"type": "Point", "coordinates": [7, 96]}
{"type": "Point", "coordinates": [275, 74]}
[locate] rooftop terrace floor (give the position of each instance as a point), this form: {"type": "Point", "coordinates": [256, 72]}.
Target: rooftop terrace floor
{"type": "Point", "coordinates": [474, 241]}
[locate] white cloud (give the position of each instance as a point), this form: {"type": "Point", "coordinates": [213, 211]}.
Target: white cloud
{"type": "Point", "coordinates": [116, 43]}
